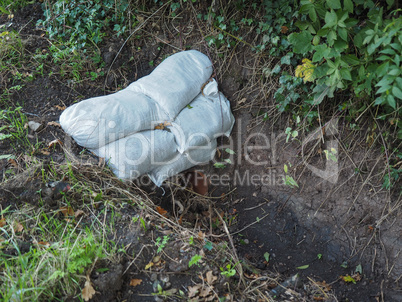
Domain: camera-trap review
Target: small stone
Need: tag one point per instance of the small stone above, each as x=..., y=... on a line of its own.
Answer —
x=35, y=126
x=153, y=277
x=164, y=279
x=167, y=285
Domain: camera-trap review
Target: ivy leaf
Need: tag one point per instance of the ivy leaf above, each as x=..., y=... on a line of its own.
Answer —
x=334, y=4
x=301, y=42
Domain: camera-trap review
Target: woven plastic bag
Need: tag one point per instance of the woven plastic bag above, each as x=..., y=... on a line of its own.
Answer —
x=139, y=153
x=205, y=119
x=192, y=157
x=153, y=99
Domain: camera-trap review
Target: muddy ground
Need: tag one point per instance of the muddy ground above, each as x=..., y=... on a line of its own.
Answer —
x=334, y=222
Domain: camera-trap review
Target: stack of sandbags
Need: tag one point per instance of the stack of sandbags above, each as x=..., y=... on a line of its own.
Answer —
x=123, y=127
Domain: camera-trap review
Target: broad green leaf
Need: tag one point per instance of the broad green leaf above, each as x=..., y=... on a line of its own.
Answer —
x=397, y=92
x=351, y=59
x=301, y=42
x=303, y=266
x=345, y=74
x=391, y=101
x=266, y=256
x=323, y=32
x=321, y=51
x=384, y=88
x=343, y=33
x=383, y=58
x=382, y=69
x=348, y=5
x=285, y=167
x=340, y=46
x=320, y=92
x=334, y=4
x=394, y=72
x=312, y=14
x=331, y=37
x=316, y=40
x=399, y=82
x=388, y=51
x=331, y=19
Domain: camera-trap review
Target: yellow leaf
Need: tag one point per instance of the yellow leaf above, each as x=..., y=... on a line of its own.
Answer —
x=135, y=282
x=305, y=70
x=149, y=265
x=88, y=291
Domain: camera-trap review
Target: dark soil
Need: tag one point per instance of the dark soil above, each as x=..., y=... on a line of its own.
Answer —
x=333, y=227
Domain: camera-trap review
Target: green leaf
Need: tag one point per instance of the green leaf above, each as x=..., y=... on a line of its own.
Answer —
x=4, y=11
x=321, y=51
x=266, y=256
x=98, y=197
x=348, y=5
x=303, y=266
x=382, y=69
x=285, y=167
x=397, y=92
x=399, y=82
x=312, y=14
x=345, y=74
x=349, y=279
x=285, y=60
x=7, y=156
x=301, y=42
x=219, y=165
x=359, y=269
x=394, y=72
x=331, y=19
x=334, y=4
x=351, y=59
x=388, y=51
x=343, y=33
x=230, y=151
x=331, y=37
x=391, y=101
x=321, y=91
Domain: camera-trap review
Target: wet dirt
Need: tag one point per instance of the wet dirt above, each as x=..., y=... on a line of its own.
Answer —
x=321, y=230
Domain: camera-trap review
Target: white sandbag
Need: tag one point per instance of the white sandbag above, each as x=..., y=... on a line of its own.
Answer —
x=139, y=153
x=98, y=121
x=192, y=157
x=153, y=99
x=175, y=82
x=207, y=118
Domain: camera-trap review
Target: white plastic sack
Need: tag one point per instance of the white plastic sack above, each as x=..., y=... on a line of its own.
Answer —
x=176, y=81
x=98, y=121
x=194, y=156
x=138, y=153
x=153, y=99
x=207, y=118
